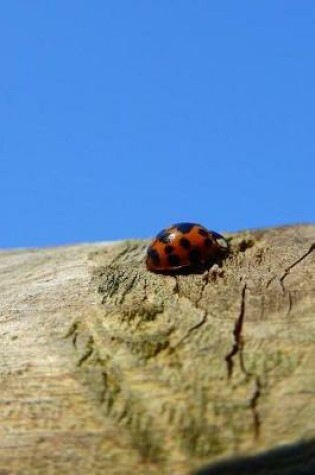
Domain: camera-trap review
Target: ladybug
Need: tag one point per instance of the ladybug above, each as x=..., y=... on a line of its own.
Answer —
x=184, y=245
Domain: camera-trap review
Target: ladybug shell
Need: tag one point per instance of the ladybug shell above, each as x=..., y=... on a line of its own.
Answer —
x=184, y=245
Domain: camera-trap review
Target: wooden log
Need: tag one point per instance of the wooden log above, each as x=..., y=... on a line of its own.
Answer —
x=107, y=368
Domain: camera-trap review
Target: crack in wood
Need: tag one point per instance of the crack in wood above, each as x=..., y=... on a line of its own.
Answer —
x=105, y=387
x=295, y=263
x=288, y=269
x=192, y=329
x=89, y=351
x=205, y=280
x=145, y=290
x=237, y=348
x=128, y=288
x=73, y=333
x=123, y=252
x=254, y=407
x=286, y=272
x=237, y=334
x=203, y=319
x=290, y=304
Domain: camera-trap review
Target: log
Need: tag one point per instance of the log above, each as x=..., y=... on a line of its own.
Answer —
x=108, y=368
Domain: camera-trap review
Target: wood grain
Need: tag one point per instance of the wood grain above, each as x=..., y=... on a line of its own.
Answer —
x=107, y=368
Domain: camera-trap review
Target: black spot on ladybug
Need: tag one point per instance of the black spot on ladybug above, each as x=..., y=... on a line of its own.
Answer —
x=169, y=249
x=184, y=227
x=185, y=243
x=164, y=236
x=154, y=255
x=195, y=256
x=208, y=242
x=173, y=260
x=203, y=232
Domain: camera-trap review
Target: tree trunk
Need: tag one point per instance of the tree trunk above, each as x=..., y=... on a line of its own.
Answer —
x=109, y=369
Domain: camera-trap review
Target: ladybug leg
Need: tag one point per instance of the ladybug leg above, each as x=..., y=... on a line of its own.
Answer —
x=212, y=273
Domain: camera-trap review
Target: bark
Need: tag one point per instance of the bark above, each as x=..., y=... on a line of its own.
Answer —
x=107, y=368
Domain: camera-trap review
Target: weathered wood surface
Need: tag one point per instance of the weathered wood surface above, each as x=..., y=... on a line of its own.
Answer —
x=108, y=369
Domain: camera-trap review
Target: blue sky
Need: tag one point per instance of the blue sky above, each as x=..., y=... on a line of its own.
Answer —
x=118, y=118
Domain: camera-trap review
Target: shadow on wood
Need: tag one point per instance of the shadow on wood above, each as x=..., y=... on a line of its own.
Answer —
x=295, y=459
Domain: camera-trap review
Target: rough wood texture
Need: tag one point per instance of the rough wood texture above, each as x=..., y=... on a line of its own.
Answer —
x=106, y=368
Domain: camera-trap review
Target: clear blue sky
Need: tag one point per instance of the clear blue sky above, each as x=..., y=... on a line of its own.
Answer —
x=118, y=118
